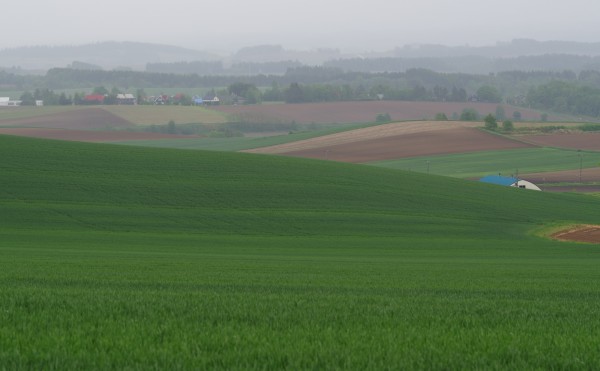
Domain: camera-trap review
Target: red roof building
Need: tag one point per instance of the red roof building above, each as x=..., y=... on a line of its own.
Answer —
x=94, y=98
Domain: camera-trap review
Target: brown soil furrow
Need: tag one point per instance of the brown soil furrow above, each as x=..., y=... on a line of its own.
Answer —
x=581, y=233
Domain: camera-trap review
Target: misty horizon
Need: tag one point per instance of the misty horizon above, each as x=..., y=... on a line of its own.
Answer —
x=309, y=25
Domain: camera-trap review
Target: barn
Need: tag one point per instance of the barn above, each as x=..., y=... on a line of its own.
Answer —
x=509, y=182
x=6, y=102
x=128, y=99
x=94, y=99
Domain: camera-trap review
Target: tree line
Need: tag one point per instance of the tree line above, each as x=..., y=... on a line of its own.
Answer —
x=562, y=96
x=566, y=91
x=508, y=83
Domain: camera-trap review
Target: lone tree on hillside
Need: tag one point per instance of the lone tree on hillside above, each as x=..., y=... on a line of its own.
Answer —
x=441, y=117
x=383, y=117
x=507, y=125
x=490, y=122
x=469, y=114
x=500, y=113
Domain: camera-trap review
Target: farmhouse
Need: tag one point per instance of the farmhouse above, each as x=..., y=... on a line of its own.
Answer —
x=6, y=102
x=161, y=99
x=509, y=181
x=94, y=99
x=128, y=99
x=211, y=100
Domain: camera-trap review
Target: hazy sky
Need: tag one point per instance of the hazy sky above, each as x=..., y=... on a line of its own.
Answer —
x=346, y=24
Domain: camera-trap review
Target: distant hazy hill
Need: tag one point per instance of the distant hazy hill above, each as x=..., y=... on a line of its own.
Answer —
x=107, y=55
x=276, y=53
x=514, y=48
x=520, y=54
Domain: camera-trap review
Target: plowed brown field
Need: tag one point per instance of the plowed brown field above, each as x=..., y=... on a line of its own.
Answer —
x=85, y=135
x=93, y=118
x=460, y=140
x=350, y=112
x=396, y=140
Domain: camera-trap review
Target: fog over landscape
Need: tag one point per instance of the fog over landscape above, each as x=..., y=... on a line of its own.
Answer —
x=350, y=26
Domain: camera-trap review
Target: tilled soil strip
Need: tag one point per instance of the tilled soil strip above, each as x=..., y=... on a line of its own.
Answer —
x=581, y=233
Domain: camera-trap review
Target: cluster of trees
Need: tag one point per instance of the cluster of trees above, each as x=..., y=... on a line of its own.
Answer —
x=48, y=96
x=562, y=96
x=51, y=98
x=471, y=114
x=492, y=124
x=299, y=93
x=248, y=93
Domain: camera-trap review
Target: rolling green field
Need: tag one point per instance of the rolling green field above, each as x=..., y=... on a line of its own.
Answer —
x=241, y=143
x=506, y=162
x=120, y=257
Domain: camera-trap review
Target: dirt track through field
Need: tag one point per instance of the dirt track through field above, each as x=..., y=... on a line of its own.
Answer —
x=585, y=233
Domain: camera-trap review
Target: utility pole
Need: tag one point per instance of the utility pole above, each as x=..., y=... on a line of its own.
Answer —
x=580, y=164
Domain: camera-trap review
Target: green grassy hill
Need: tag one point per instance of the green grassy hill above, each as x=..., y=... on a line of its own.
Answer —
x=506, y=162
x=140, y=258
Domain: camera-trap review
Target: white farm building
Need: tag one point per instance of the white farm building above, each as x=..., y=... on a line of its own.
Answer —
x=6, y=102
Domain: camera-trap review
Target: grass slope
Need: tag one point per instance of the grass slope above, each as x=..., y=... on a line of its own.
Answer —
x=156, y=115
x=477, y=164
x=125, y=257
x=242, y=143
